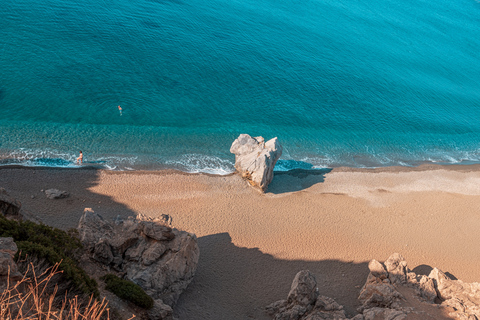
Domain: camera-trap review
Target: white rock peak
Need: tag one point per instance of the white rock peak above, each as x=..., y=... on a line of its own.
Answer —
x=255, y=159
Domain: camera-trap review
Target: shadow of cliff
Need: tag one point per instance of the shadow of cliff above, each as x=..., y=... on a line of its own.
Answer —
x=246, y=280
x=25, y=185
x=296, y=180
x=425, y=269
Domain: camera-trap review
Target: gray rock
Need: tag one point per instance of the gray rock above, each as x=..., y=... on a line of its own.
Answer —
x=8, y=267
x=425, y=289
x=56, y=194
x=464, y=297
x=327, y=304
x=160, y=311
x=397, y=268
x=9, y=206
x=378, y=293
x=305, y=303
x=377, y=269
x=158, y=258
x=92, y=228
x=102, y=252
x=304, y=289
x=255, y=159
x=380, y=298
x=153, y=253
x=157, y=231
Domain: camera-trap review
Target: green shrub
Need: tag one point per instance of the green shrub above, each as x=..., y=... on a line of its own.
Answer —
x=47, y=236
x=128, y=290
x=53, y=245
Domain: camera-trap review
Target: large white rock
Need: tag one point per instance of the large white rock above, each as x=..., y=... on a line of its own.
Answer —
x=255, y=159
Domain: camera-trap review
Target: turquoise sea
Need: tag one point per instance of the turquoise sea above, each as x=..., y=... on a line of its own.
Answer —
x=340, y=83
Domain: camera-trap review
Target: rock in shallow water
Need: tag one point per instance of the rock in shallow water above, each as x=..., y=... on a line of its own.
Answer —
x=255, y=159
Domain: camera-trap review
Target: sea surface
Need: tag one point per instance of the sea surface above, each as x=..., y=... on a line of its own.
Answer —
x=339, y=82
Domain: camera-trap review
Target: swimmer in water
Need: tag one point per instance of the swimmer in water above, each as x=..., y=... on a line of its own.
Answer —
x=120, y=110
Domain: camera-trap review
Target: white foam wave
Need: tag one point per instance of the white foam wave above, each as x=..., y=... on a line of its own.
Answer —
x=198, y=163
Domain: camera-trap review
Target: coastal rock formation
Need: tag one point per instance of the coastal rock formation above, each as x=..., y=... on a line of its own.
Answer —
x=8, y=267
x=56, y=194
x=436, y=295
x=255, y=159
x=304, y=302
x=160, y=259
x=463, y=297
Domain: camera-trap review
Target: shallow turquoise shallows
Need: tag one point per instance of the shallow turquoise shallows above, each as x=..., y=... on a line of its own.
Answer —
x=340, y=83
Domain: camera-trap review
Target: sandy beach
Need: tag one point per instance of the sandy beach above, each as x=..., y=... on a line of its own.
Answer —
x=332, y=222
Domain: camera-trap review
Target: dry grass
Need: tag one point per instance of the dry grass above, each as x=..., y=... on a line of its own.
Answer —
x=27, y=299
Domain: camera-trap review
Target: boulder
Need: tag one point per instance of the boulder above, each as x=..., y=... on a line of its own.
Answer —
x=425, y=289
x=377, y=270
x=255, y=159
x=397, y=268
x=379, y=293
x=56, y=194
x=463, y=297
x=160, y=259
x=304, y=302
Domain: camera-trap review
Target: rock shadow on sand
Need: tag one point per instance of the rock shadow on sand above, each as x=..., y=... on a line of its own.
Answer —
x=26, y=184
x=238, y=283
x=296, y=180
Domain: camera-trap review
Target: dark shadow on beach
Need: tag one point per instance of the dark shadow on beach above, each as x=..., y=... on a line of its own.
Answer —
x=425, y=269
x=26, y=184
x=296, y=180
x=247, y=277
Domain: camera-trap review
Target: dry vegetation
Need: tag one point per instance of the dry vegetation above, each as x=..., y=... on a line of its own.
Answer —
x=30, y=299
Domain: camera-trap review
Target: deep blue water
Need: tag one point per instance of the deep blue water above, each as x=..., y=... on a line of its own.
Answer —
x=340, y=83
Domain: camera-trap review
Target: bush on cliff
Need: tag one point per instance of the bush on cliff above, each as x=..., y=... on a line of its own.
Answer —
x=128, y=290
x=53, y=245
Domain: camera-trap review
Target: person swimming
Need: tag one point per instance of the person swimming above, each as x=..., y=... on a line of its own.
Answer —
x=120, y=110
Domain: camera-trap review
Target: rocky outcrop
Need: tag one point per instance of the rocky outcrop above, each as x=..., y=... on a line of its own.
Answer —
x=381, y=292
x=8, y=267
x=304, y=302
x=463, y=297
x=10, y=207
x=380, y=297
x=255, y=159
x=160, y=259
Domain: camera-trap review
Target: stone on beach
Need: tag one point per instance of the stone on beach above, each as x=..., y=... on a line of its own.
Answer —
x=255, y=159
x=56, y=194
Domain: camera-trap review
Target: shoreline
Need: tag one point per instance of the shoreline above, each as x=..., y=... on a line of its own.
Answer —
x=332, y=222
x=396, y=168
